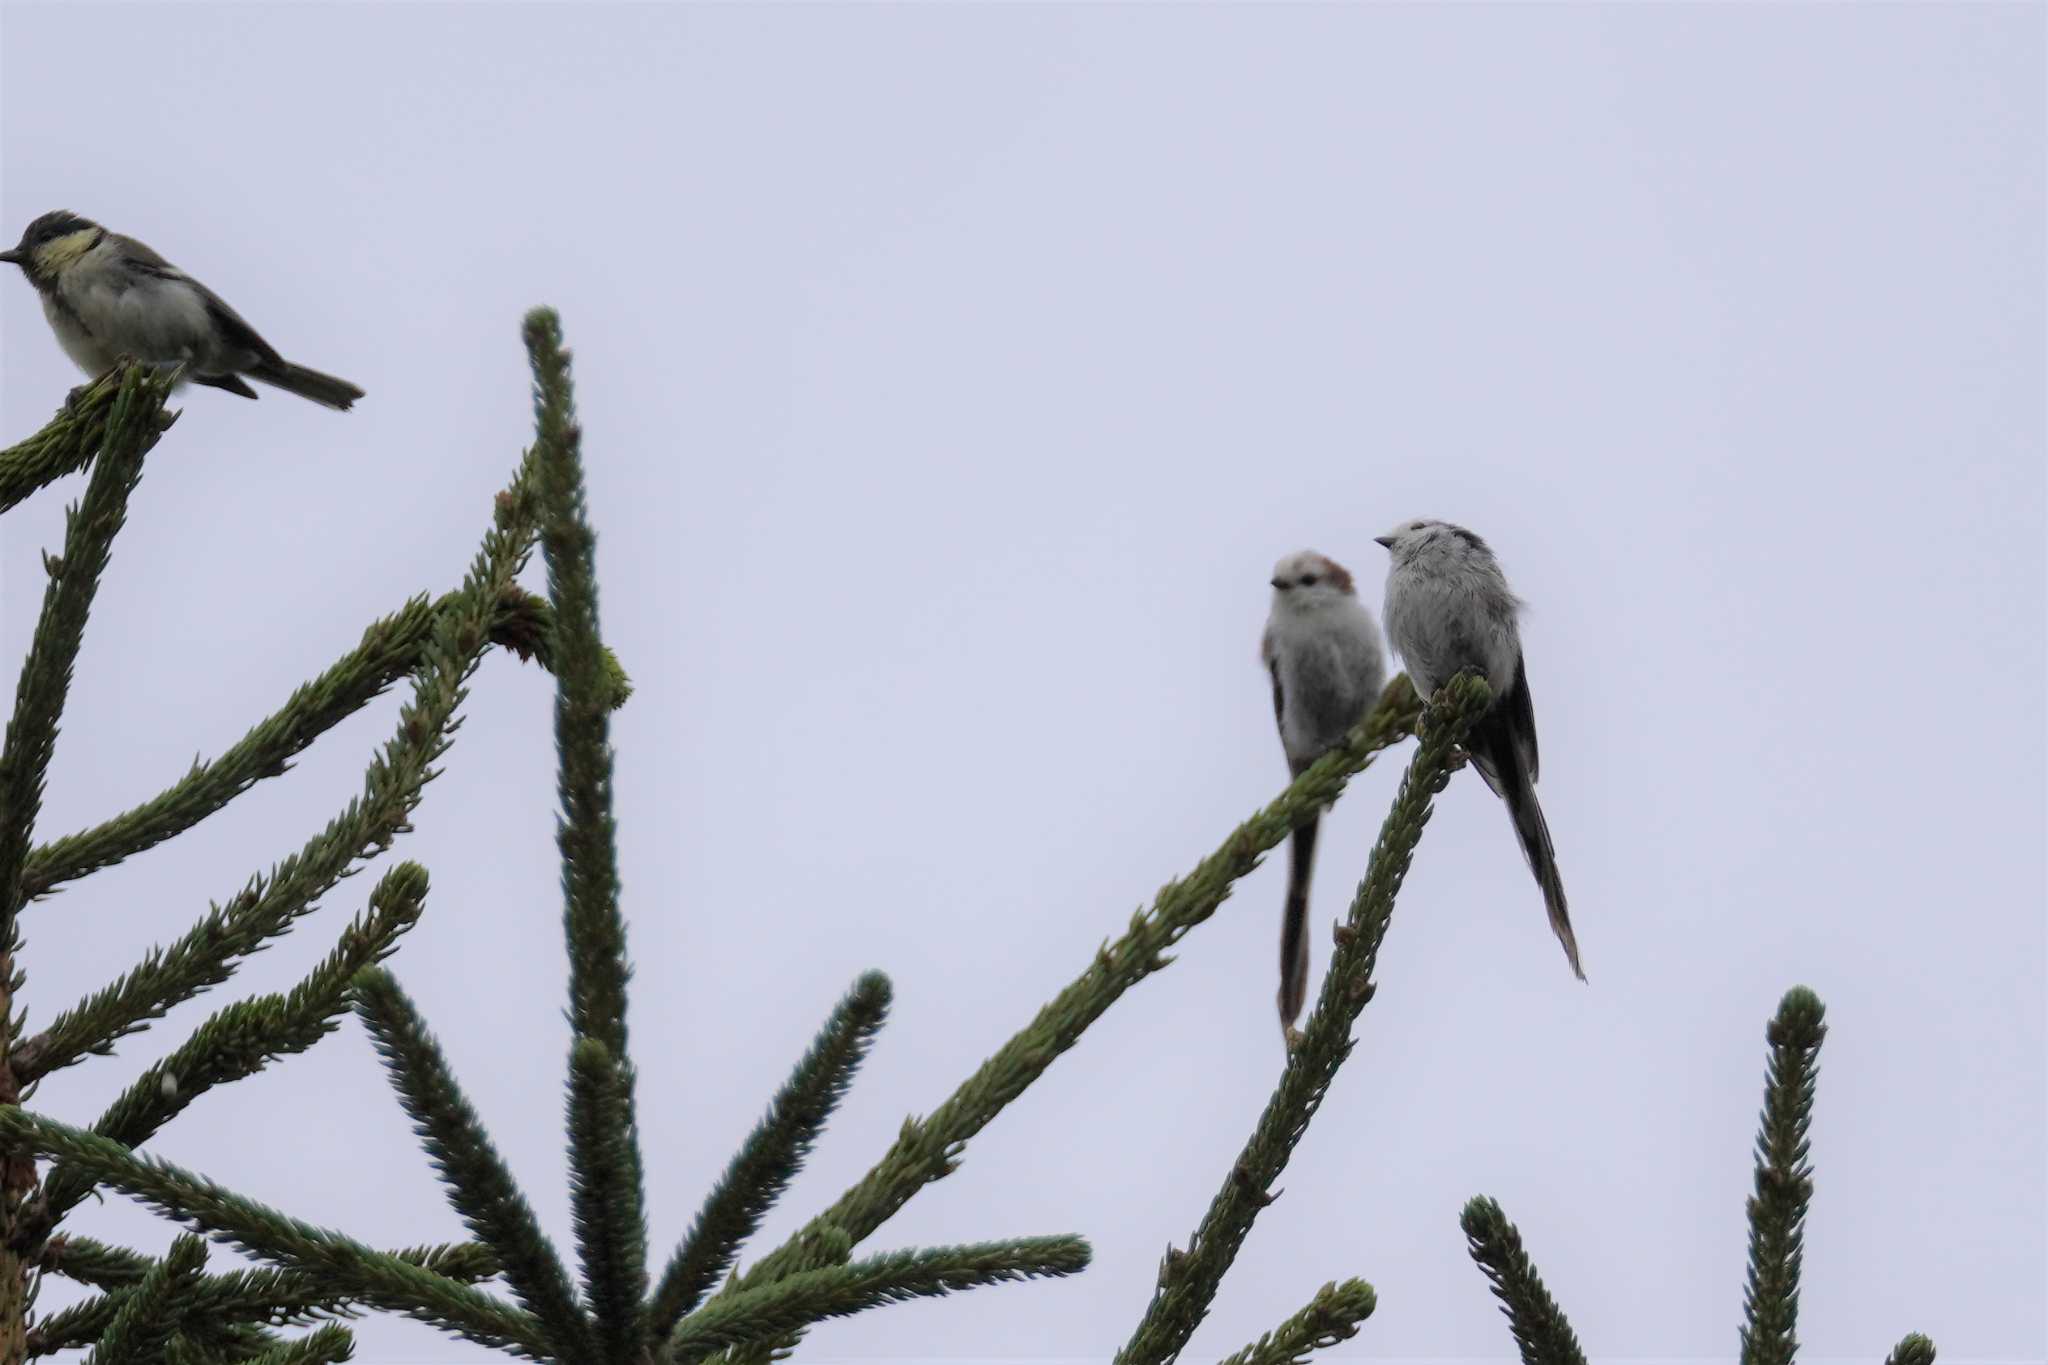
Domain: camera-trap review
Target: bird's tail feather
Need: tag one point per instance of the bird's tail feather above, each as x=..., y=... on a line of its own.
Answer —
x=1533, y=832
x=321, y=388
x=1301, y=851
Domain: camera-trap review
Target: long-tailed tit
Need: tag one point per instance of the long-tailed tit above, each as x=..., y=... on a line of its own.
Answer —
x=1323, y=651
x=109, y=296
x=1449, y=609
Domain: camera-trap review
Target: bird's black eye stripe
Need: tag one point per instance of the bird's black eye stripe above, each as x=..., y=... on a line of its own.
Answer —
x=1308, y=580
x=51, y=226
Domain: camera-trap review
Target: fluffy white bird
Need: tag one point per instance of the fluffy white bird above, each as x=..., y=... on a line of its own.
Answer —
x=1323, y=650
x=1448, y=609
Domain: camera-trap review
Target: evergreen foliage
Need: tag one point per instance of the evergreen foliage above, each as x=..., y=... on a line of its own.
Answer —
x=1777, y=1216
x=603, y=1307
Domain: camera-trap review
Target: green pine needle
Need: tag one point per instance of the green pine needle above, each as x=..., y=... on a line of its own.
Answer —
x=808, y=1296
x=772, y=1154
x=349, y=1269
x=255, y=1297
x=134, y=424
x=329, y=1345
x=78, y=432
x=480, y=1186
x=1542, y=1334
x=605, y=1196
x=391, y=650
x=265, y=908
x=1331, y=1318
x=91, y=1261
x=137, y=1334
x=1784, y=1181
x=1914, y=1350
x=246, y=1036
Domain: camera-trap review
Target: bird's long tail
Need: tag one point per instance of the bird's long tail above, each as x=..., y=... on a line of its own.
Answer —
x=1301, y=860
x=321, y=388
x=1511, y=780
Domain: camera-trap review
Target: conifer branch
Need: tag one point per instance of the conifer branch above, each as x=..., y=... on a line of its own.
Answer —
x=135, y=421
x=1542, y=1334
x=390, y=650
x=480, y=1186
x=604, y=1145
x=67, y=442
x=219, y=1343
x=351, y=1269
x=237, y=1041
x=1914, y=1350
x=815, y=1248
x=605, y=1195
x=91, y=1261
x=1784, y=1181
x=586, y=830
x=393, y=786
x=772, y=1154
x=1331, y=1318
x=329, y=1345
x=246, y=1036
x=270, y=1298
x=1188, y=1281
x=208, y=953
x=808, y=1296
x=139, y=1331
x=929, y=1149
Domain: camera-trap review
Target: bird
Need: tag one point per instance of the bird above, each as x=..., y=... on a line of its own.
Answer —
x=1449, y=609
x=1322, y=648
x=109, y=296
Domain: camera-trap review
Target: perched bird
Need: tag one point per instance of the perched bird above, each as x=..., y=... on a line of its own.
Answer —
x=109, y=296
x=1449, y=609
x=1323, y=651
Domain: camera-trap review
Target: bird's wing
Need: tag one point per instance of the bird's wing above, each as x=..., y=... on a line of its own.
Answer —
x=147, y=261
x=232, y=383
x=1522, y=719
x=1272, y=658
x=233, y=326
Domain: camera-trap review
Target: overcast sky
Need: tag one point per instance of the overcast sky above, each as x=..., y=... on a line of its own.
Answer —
x=952, y=378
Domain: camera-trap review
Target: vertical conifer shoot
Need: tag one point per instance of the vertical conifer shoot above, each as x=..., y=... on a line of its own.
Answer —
x=1777, y=1217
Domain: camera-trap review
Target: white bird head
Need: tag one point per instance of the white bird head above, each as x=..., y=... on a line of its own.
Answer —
x=1306, y=580
x=1426, y=536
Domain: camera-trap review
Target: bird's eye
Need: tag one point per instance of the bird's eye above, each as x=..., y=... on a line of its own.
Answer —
x=1308, y=580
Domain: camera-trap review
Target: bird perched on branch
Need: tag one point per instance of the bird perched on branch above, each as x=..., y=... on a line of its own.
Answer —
x=109, y=296
x=1448, y=609
x=1323, y=651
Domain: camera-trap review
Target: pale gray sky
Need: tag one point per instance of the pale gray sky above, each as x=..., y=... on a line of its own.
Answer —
x=952, y=378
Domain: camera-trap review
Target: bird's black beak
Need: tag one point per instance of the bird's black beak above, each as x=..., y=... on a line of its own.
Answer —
x=1387, y=541
x=12, y=256
x=1282, y=584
